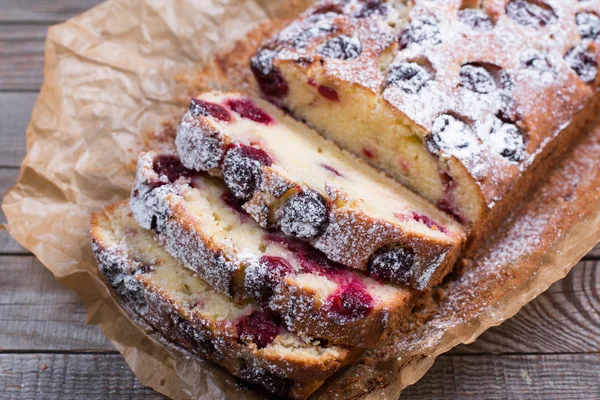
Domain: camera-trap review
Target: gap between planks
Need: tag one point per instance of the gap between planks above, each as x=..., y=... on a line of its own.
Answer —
x=22, y=56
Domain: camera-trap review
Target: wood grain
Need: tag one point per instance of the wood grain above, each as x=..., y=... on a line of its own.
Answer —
x=66, y=376
x=22, y=55
x=15, y=113
x=550, y=376
x=8, y=245
x=69, y=376
x=36, y=11
x=37, y=314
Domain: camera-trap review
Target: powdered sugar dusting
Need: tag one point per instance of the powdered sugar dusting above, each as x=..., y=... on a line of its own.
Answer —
x=341, y=48
x=152, y=207
x=199, y=146
x=305, y=215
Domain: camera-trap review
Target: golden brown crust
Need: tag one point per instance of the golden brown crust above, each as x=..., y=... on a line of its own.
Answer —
x=515, y=259
x=153, y=203
x=363, y=378
x=436, y=258
x=537, y=171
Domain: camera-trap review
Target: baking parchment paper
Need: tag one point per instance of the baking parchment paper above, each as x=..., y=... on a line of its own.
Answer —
x=113, y=77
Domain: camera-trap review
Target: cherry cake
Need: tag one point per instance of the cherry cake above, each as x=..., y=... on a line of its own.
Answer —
x=161, y=294
x=288, y=177
x=456, y=99
x=203, y=225
x=297, y=229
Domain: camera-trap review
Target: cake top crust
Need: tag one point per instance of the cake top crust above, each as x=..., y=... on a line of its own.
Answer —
x=489, y=83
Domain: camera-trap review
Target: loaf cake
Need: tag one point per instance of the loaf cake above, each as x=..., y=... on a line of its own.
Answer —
x=456, y=99
x=201, y=224
x=161, y=293
x=292, y=179
x=279, y=254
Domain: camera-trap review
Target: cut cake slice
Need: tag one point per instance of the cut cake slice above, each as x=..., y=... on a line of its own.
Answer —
x=291, y=178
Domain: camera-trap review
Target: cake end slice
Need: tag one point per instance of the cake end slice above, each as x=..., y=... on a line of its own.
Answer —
x=158, y=292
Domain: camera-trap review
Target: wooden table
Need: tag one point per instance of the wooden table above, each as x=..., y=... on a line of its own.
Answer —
x=551, y=349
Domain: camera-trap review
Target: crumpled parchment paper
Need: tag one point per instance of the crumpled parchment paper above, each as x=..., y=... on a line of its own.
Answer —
x=115, y=73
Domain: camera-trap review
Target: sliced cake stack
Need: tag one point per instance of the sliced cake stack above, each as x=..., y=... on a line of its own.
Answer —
x=263, y=234
x=311, y=233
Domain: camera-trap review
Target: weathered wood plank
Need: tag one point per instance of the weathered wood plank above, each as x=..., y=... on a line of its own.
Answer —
x=551, y=376
x=69, y=376
x=566, y=318
x=22, y=56
x=15, y=112
x=36, y=11
x=8, y=245
x=564, y=376
x=36, y=313
x=8, y=177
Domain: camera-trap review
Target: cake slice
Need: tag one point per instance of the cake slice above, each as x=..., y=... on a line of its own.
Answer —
x=202, y=224
x=162, y=294
x=290, y=178
x=458, y=100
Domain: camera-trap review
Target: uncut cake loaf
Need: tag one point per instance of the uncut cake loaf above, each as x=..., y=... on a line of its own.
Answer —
x=461, y=100
x=160, y=293
x=289, y=177
x=201, y=224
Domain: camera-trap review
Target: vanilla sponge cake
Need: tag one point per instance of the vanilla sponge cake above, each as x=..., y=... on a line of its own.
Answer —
x=457, y=99
x=290, y=178
x=202, y=224
x=159, y=292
